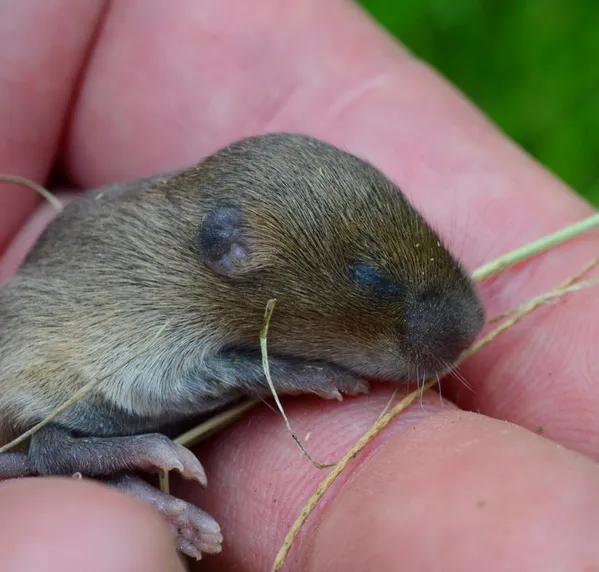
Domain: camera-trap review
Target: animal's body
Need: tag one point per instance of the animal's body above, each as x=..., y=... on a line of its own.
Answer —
x=364, y=288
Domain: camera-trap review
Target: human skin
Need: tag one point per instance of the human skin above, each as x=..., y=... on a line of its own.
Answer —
x=141, y=88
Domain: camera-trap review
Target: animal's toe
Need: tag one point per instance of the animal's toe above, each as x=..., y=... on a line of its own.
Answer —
x=197, y=532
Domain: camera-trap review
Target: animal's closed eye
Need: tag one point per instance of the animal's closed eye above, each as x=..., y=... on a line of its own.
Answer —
x=369, y=277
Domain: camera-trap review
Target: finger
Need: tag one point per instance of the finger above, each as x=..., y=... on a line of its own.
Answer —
x=439, y=488
x=44, y=43
x=164, y=87
x=211, y=72
x=463, y=492
x=53, y=525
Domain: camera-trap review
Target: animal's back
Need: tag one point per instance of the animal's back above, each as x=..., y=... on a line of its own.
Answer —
x=87, y=298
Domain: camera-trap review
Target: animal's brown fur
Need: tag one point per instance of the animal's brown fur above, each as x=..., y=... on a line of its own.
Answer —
x=123, y=261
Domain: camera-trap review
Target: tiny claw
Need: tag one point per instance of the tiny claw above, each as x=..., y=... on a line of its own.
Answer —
x=362, y=389
x=200, y=477
x=177, y=466
x=335, y=394
x=196, y=474
x=189, y=549
x=214, y=547
x=190, y=468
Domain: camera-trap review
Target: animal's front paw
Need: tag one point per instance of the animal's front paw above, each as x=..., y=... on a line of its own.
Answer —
x=331, y=383
x=156, y=451
x=323, y=379
x=54, y=451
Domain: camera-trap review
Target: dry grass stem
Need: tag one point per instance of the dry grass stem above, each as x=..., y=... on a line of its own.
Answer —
x=556, y=293
x=270, y=306
x=537, y=247
x=339, y=468
x=164, y=483
x=565, y=288
x=54, y=202
x=206, y=428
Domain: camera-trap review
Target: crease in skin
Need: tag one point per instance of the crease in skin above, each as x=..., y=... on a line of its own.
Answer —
x=354, y=95
x=80, y=77
x=280, y=107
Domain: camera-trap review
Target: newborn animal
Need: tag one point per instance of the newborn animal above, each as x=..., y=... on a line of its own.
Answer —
x=364, y=288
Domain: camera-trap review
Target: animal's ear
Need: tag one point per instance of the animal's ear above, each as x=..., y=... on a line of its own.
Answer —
x=223, y=243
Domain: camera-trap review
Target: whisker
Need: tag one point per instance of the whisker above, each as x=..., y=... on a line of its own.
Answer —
x=460, y=377
x=455, y=373
x=265, y=402
x=422, y=392
x=440, y=393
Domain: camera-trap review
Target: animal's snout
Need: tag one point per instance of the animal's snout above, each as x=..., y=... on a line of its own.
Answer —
x=442, y=327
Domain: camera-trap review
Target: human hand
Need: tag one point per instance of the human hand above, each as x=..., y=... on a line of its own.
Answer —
x=439, y=489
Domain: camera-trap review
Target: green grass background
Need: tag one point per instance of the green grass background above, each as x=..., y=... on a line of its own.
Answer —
x=531, y=65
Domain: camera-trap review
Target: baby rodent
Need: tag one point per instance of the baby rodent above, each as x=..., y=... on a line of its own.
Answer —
x=364, y=288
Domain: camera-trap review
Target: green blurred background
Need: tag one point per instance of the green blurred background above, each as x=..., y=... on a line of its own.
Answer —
x=531, y=65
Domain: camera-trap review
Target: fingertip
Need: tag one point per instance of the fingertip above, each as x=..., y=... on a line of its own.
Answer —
x=464, y=490
x=65, y=525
